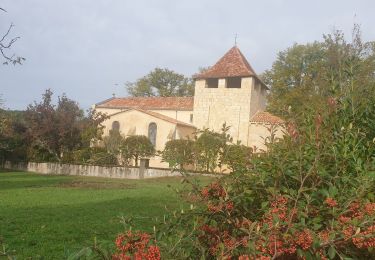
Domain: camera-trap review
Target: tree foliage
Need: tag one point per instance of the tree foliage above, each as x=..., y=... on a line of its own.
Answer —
x=135, y=147
x=208, y=151
x=305, y=75
x=13, y=138
x=113, y=142
x=237, y=157
x=179, y=153
x=58, y=130
x=208, y=148
x=161, y=82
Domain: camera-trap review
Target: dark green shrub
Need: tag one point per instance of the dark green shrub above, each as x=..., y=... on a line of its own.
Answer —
x=103, y=158
x=237, y=157
x=135, y=147
x=208, y=148
x=113, y=142
x=178, y=153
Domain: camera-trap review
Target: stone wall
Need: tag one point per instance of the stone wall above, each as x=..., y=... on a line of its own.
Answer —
x=91, y=170
x=215, y=106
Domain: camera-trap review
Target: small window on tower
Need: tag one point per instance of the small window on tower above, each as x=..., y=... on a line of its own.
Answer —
x=212, y=83
x=234, y=82
x=191, y=118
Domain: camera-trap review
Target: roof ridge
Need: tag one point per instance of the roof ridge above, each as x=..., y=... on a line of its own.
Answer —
x=149, y=103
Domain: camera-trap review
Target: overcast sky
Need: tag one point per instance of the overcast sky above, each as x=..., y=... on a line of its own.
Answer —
x=88, y=49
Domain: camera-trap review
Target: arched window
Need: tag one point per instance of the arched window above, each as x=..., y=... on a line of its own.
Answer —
x=152, y=131
x=115, y=126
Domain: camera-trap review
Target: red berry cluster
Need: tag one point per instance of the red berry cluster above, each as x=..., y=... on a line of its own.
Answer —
x=304, y=239
x=216, y=198
x=356, y=213
x=279, y=210
x=135, y=246
x=274, y=224
x=213, y=191
x=324, y=235
x=331, y=202
x=211, y=237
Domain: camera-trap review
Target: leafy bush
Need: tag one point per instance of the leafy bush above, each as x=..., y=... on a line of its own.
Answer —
x=38, y=153
x=237, y=157
x=91, y=155
x=179, y=153
x=208, y=151
x=208, y=148
x=310, y=196
x=103, y=158
x=113, y=142
x=135, y=147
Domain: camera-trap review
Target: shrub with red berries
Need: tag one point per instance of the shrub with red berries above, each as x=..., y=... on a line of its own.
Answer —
x=311, y=196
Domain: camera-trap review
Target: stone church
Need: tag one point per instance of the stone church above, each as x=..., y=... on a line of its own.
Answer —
x=228, y=92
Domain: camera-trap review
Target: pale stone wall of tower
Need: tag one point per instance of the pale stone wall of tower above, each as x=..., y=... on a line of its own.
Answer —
x=214, y=106
x=258, y=98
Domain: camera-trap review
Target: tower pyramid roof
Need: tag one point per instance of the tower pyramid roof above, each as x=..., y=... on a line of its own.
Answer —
x=232, y=64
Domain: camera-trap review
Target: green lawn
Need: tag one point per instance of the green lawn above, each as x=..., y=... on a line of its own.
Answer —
x=48, y=217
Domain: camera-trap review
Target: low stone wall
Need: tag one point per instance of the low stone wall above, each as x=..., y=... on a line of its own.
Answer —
x=90, y=170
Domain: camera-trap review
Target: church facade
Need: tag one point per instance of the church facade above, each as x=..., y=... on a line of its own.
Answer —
x=229, y=92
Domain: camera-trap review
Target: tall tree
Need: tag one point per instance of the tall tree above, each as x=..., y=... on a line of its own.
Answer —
x=4, y=126
x=57, y=130
x=161, y=82
x=305, y=75
x=13, y=141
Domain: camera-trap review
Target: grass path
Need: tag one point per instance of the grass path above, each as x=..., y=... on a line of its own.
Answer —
x=48, y=217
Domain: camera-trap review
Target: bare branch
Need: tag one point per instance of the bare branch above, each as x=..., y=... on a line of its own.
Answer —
x=7, y=33
x=9, y=59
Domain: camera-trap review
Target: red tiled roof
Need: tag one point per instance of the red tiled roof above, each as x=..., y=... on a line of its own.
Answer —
x=232, y=64
x=265, y=117
x=157, y=115
x=149, y=103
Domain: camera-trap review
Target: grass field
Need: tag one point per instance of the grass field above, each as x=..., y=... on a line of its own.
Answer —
x=48, y=217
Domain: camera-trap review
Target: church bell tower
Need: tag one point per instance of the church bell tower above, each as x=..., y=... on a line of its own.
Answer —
x=229, y=92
